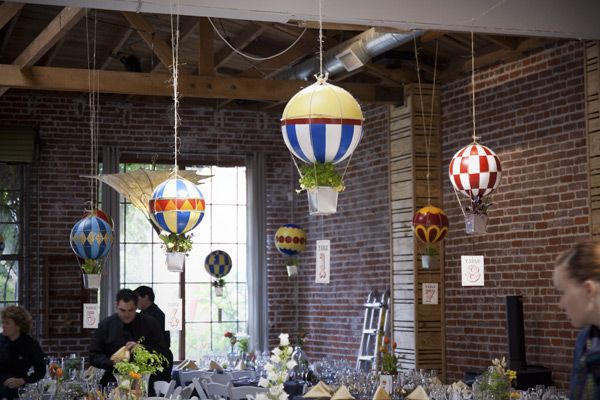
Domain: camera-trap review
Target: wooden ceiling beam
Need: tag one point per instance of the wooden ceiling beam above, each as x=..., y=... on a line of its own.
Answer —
x=161, y=48
x=51, y=34
x=502, y=41
x=505, y=55
x=240, y=42
x=117, y=48
x=206, y=55
x=8, y=11
x=397, y=76
x=76, y=80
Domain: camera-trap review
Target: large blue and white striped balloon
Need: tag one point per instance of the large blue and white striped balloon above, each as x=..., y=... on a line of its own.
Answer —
x=322, y=123
x=218, y=264
x=91, y=237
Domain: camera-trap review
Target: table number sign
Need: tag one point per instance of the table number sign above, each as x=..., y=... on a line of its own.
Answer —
x=173, y=316
x=91, y=315
x=472, y=270
x=430, y=293
x=322, y=253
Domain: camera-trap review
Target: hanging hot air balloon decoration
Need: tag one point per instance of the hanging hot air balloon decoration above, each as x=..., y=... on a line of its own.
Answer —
x=176, y=206
x=91, y=239
x=218, y=264
x=430, y=225
x=290, y=240
x=475, y=171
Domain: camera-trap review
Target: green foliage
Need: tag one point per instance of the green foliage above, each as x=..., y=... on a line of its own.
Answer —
x=177, y=242
x=430, y=251
x=243, y=344
x=218, y=283
x=389, y=363
x=318, y=174
x=479, y=205
x=142, y=361
x=92, y=266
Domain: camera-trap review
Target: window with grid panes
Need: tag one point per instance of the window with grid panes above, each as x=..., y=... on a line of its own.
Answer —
x=11, y=213
x=223, y=227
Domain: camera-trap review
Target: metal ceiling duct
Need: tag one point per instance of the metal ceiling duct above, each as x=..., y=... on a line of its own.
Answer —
x=351, y=54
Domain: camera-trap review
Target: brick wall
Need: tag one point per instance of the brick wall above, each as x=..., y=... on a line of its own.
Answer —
x=360, y=241
x=531, y=113
x=140, y=129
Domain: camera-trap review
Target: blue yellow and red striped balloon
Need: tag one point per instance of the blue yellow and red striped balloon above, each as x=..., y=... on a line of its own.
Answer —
x=290, y=239
x=91, y=237
x=177, y=205
x=430, y=224
x=322, y=123
x=218, y=264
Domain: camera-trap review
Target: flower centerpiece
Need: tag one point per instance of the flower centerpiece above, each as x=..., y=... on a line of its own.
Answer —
x=496, y=382
x=243, y=342
x=133, y=375
x=277, y=369
x=232, y=339
x=389, y=360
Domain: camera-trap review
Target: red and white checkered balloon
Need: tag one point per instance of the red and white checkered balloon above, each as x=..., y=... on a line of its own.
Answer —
x=475, y=171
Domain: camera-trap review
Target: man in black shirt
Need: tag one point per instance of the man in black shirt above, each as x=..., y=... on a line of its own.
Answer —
x=148, y=307
x=124, y=328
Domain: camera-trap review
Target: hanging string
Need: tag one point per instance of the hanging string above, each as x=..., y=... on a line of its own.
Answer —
x=175, y=77
x=93, y=100
x=321, y=38
x=430, y=130
x=473, y=83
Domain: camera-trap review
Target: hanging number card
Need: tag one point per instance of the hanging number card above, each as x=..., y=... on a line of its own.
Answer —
x=472, y=270
x=430, y=293
x=322, y=270
x=91, y=315
x=173, y=316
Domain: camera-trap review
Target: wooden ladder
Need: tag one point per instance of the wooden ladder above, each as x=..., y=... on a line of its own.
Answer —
x=375, y=326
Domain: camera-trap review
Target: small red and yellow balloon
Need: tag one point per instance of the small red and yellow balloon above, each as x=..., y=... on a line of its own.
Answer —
x=290, y=240
x=430, y=224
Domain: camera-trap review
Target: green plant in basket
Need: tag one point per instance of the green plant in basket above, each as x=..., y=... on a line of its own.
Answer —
x=143, y=361
x=218, y=282
x=431, y=251
x=176, y=242
x=90, y=266
x=319, y=174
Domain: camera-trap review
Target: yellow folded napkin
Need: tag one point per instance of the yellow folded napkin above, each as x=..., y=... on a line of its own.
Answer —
x=435, y=381
x=120, y=355
x=342, y=394
x=191, y=365
x=381, y=394
x=319, y=391
x=215, y=366
x=418, y=394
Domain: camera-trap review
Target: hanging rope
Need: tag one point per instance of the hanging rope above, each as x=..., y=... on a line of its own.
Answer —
x=93, y=100
x=473, y=83
x=175, y=78
x=427, y=131
x=320, y=38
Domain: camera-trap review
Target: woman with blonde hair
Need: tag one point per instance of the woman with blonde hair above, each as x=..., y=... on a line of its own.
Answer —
x=19, y=352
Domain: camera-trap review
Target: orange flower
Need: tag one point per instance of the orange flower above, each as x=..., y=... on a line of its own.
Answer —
x=394, y=345
x=135, y=375
x=59, y=372
x=386, y=340
x=382, y=349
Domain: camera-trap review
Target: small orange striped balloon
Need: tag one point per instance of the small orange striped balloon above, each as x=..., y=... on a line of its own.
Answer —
x=430, y=224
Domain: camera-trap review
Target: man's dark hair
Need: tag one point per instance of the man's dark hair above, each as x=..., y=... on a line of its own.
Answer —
x=127, y=295
x=144, y=291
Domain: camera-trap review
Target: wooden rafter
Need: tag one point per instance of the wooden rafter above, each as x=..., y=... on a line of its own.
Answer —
x=182, y=39
x=51, y=34
x=397, y=76
x=206, y=55
x=8, y=11
x=117, y=47
x=160, y=47
x=240, y=42
x=502, y=41
x=76, y=80
x=505, y=55
x=9, y=31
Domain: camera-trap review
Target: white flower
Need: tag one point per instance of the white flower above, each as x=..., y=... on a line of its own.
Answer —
x=291, y=364
x=262, y=396
x=283, y=396
x=284, y=339
x=275, y=359
x=277, y=351
x=269, y=367
x=263, y=383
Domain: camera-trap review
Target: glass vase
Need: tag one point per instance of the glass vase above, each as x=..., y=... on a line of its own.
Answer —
x=129, y=388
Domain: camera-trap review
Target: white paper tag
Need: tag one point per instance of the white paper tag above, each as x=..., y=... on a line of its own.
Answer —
x=386, y=382
x=472, y=270
x=430, y=293
x=90, y=315
x=173, y=316
x=322, y=268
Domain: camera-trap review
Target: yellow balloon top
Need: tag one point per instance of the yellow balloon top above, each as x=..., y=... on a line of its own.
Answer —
x=322, y=100
x=431, y=209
